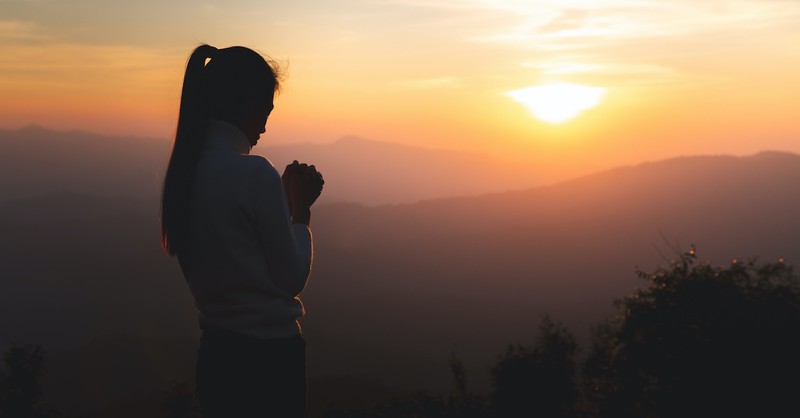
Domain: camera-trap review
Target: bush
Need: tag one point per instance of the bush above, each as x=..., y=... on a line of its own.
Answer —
x=538, y=380
x=701, y=340
x=20, y=387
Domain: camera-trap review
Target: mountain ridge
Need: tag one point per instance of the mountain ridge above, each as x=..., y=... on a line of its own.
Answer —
x=760, y=155
x=395, y=287
x=356, y=169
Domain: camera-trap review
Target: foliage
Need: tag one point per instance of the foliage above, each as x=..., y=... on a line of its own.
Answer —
x=701, y=340
x=179, y=401
x=20, y=387
x=459, y=404
x=538, y=380
x=697, y=340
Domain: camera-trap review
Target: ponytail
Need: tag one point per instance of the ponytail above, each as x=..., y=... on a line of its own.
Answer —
x=220, y=89
x=193, y=118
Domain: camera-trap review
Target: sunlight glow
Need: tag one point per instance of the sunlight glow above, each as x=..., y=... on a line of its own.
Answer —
x=558, y=102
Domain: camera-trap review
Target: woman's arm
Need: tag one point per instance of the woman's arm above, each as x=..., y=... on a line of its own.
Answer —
x=288, y=247
x=302, y=185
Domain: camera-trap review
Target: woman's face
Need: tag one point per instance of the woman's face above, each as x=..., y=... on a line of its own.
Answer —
x=255, y=121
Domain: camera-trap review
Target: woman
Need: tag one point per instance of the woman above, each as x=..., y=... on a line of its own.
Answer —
x=241, y=234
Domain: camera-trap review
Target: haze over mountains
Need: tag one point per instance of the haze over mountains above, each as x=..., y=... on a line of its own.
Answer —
x=395, y=288
x=355, y=169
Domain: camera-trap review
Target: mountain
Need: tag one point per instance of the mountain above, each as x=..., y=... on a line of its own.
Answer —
x=396, y=288
x=37, y=161
x=373, y=173
x=476, y=273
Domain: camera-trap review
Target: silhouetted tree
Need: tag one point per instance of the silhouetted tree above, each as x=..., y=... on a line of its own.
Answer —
x=459, y=395
x=180, y=401
x=20, y=387
x=420, y=405
x=462, y=403
x=538, y=380
x=698, y=341
x=701, y=340
x=459, y=404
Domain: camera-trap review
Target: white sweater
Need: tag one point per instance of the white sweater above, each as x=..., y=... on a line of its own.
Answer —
x=243, y=253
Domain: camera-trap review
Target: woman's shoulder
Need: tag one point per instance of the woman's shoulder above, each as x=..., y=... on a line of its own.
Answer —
x=259, y=166
x=256, y=162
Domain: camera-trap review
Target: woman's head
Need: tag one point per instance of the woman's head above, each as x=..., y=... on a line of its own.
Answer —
x=233, y=84
x=240, y=86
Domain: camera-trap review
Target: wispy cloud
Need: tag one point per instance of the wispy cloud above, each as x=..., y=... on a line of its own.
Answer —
x=211, y=8
x=429, y=83
x=621, y=37
x=563, y=67
x=65, y=68
x=564, y=21
x=19, y=30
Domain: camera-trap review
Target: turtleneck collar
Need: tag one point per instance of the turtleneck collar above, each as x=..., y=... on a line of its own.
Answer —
x=226, y=136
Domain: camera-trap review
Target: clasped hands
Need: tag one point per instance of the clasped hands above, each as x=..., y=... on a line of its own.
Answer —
x=302, y=184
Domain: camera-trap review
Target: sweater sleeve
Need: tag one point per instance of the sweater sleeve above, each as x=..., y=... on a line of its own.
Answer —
x=287, y=247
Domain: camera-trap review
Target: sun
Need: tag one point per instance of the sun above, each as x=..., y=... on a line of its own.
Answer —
x=558, y=102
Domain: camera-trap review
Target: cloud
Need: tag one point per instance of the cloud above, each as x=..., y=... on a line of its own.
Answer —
x=564, y=67
x=60, y=69
x=563, y=21
x=658, y=43
x=19, y=30
x=655, y=38
x=429, y=83
x=211, y=9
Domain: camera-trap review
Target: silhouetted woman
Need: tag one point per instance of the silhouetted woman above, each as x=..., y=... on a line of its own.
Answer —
x=240, y=232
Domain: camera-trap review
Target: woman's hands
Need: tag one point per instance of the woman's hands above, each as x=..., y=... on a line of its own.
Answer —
x=303, y=185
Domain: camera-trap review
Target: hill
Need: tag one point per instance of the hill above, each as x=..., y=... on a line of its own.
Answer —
x=396, y=288
x=476, y=273
x=37, y=161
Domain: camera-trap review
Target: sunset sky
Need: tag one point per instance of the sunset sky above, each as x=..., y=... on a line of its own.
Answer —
x=669, y=77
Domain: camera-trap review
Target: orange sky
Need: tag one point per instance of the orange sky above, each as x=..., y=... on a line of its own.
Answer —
x=681, y=77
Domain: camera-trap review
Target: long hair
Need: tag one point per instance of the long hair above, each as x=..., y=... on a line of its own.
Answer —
x=217, y=84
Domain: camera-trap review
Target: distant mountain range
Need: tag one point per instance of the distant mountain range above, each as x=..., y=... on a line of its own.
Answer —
x=37, y=160
x=395, y=288
x=478, y=272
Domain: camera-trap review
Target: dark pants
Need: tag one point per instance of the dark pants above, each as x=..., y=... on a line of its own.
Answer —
x=240, y=376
